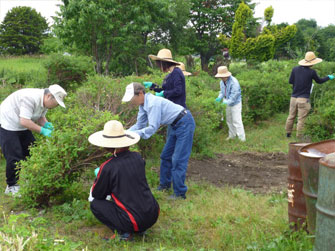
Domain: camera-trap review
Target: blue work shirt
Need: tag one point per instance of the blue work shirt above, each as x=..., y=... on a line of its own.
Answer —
x=174, y=87
x=154, y=112
x=232, y=90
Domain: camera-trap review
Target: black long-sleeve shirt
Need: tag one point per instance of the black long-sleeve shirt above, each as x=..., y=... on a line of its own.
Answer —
x=123, y=177
x=301, y=79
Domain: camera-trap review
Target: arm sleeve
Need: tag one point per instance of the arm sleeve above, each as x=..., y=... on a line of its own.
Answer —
x=235, y=92
x=318, y=79
x=26, y=108
x=142, y=121
x=154, y=118
x=101, y=187
x=177, y=82
x=221, y=90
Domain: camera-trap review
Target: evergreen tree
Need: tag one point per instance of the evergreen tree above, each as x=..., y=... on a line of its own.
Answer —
x=22, y=31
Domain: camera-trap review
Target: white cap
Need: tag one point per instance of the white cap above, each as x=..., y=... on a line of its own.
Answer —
x=59, y=93
x=129, y=93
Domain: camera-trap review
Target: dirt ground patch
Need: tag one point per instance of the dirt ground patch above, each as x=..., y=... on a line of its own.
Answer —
x=257, y=172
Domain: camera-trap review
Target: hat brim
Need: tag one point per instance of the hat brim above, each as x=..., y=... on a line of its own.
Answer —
x=303, y=62
x=98, y=139
x=186, y=73
x=224, y=75
x=155, y=58
x=60, y=102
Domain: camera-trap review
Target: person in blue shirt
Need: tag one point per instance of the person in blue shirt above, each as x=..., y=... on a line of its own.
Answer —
x=173, y=87
x=230, y=97
x=156, y=111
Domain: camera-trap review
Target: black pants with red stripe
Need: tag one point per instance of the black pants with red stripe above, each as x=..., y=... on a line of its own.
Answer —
x=14, y=146
x=112, y=216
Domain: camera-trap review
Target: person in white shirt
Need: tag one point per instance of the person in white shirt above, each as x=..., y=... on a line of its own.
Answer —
x=22, y=112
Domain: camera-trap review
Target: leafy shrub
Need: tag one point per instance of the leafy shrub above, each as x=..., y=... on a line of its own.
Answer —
x=56, y=162
x=68, y=71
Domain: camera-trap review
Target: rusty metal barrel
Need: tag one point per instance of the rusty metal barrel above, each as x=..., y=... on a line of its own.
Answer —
x=309, y=157
x=296, y=199
x=325, y=206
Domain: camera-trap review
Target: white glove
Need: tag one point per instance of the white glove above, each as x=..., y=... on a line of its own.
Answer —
x=90, y=197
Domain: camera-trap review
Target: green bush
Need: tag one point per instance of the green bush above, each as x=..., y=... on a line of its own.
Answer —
x=68, y=71
x=56, y=162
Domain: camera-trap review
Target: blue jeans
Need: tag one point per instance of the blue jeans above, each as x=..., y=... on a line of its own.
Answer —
x=175, y=155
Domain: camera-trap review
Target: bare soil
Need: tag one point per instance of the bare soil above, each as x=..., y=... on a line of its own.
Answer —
x=257, y=172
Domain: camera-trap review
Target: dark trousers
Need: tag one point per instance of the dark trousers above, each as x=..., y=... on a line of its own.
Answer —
x=14, y=146
x=108, y=213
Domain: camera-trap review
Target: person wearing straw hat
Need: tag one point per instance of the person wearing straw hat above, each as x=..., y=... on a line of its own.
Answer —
x=120, y=196
x=301, y=80
x=153, y=112
x=230, y=97
x=173, y=87
x=182, y=68
x=21, y=112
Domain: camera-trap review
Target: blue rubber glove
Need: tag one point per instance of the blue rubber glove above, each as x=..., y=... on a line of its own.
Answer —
x=96, y=171
x=48, y=125
x=225, y=101
x=331, y=77
x=45, y=132
x=217, y=100
x=147, y=84
x=160, y=94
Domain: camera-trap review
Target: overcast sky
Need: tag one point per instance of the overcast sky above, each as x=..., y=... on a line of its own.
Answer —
x=290, y=11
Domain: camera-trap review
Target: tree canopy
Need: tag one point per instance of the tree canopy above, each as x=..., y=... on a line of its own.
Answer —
x=22, y=31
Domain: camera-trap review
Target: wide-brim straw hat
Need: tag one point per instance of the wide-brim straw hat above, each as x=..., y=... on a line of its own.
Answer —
x=182, y=67
x=310, y=59
x=163, y=55
x=223, y=72
x=113, y=136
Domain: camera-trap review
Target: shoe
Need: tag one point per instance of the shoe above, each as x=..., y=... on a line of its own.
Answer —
x=288, y=135
x=176, y=197
x=12, y=189
x=126, y=237
x=163, y=188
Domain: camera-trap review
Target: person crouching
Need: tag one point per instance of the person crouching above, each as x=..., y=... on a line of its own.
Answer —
x=120, y=196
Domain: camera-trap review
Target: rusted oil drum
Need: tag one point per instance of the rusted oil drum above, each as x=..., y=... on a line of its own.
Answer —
x=309, y=157
x=296, y=199
x=325, y=206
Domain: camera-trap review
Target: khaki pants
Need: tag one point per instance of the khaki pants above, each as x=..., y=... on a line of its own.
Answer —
x=300, y=106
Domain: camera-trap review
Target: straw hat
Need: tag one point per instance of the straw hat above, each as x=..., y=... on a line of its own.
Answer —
x=182, y=67
x=310, y=59
x=223, y=72
x=113, y=136
x=163, y=55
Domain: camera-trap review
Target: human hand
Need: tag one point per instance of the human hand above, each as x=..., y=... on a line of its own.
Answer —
x=225, y=101
x=217, y=100
x=48, y=125
x=96, y=171
x=160, y=94
x=90, y=197
x=45, y=132
x=147, y=84
x=331, y=77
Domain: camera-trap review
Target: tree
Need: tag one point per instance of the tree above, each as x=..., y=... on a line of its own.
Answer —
x=268, y=14
x=208, y=20
x=325, y=38
x=22, y=31
x=112, y=30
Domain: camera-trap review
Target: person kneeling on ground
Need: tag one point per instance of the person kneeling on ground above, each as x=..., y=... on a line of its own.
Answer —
x=120, y=196
x=21, y=113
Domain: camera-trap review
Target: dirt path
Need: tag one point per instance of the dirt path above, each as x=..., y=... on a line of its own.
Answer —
x=258, y=172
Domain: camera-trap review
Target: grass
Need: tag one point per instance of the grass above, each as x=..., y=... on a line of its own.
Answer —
x=211, y=218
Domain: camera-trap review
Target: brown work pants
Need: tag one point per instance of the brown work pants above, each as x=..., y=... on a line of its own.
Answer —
x=300, y=106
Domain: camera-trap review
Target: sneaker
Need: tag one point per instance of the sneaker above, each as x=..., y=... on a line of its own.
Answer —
x=163, y=188
x=176, y=197
x=126, y=237
x=12, y=189
x=288, y=135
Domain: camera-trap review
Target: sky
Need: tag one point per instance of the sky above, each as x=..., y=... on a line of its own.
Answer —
x=290, y=11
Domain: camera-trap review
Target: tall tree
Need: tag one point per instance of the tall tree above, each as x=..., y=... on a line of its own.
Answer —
x=208, y=19
x=22, y=31
x=325, y=38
